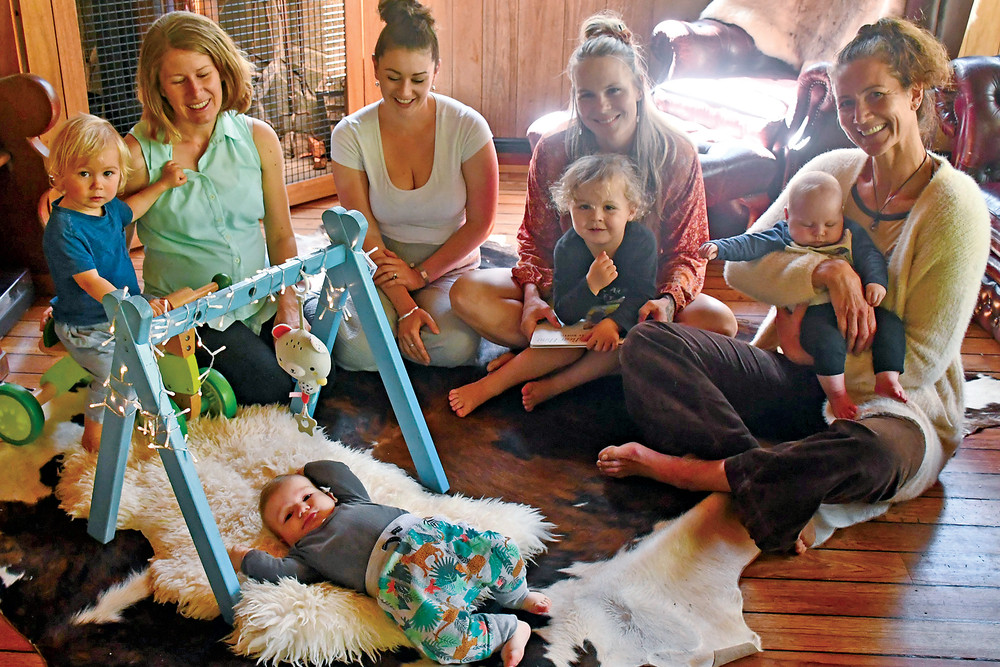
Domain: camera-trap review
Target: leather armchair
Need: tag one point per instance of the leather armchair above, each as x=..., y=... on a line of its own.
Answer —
x=969, y=116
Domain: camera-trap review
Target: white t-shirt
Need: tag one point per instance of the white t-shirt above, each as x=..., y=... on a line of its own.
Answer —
x=428, y=214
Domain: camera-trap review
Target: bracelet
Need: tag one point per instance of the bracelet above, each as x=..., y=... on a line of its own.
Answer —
x=419, y=268
x=403, y=317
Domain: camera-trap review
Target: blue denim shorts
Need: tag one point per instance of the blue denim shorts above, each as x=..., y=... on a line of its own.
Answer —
x=93, y=347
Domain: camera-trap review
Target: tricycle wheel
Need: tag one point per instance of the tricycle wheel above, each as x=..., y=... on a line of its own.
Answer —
x=217, y=396
x=21, y=417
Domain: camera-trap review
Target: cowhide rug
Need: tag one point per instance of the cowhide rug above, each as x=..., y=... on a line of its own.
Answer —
x=801, y=32
x=605, y=569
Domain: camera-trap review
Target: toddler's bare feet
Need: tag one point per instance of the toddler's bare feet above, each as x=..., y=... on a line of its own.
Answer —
x=537, y=603
x=537, y=392
x=499, y=361
x=513, y=650
x=842, y=406
x=887, y=384
x=806, y=539
x=467, y=398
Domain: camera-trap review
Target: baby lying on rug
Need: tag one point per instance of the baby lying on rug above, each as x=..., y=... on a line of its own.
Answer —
x=426, y=574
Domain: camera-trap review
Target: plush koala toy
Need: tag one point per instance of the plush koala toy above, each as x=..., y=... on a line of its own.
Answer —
x=303, y=356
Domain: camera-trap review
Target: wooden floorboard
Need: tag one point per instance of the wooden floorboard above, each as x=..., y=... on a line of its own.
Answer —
x=917, y=587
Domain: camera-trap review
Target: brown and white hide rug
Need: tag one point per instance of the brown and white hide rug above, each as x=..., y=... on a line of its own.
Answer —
x=801, y=32
x=672, y=598
x=288, y=621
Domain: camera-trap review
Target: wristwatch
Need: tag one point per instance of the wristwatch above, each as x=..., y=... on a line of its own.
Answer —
x=423, y=273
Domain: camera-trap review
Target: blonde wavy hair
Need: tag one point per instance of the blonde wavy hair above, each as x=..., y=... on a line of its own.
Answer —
x=188, y=31
x=80, y=139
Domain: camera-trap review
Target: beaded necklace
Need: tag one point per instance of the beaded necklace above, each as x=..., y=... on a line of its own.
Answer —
x=877, y=218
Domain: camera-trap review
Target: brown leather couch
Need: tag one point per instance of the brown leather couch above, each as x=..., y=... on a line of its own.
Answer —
x=969, y=115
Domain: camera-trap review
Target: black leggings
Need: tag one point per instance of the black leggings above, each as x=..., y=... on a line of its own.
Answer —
x=695, y=392
x=248, y=363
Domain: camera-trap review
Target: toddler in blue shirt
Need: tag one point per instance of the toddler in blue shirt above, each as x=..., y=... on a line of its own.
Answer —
x=86, y=245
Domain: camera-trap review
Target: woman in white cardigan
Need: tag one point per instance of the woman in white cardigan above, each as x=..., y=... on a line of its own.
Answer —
x=710, y=398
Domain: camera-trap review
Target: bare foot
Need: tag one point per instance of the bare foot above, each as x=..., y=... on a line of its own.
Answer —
x=499, y=361
x=685, y=473
x=887, y=384
x=537, y=392
x=537, y=603
x=842, y=406
x=467, y=398
x=513, y=650
x=806, y=539
x=91, y=440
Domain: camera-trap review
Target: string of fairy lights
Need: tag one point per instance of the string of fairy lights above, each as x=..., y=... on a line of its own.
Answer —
x=154, y=428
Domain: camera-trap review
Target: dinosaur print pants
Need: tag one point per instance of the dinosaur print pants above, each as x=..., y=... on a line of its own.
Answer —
x=431, y=584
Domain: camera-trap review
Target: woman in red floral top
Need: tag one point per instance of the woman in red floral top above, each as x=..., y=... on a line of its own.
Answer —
x=612, y=114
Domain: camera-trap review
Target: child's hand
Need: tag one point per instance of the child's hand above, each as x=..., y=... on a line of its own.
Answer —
x=236, y=555
x=604, y=336
x=159, y=306
x=173, y=175
x=708, y=251
x=602, y=273
x=874, y=293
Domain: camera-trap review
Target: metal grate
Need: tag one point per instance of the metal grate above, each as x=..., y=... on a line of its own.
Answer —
x=297, y=47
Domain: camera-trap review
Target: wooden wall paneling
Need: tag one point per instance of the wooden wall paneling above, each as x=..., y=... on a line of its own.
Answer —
x=541, y=45
x=448, y=41
x=982, y=36
x=52, y=51
x=372, y=27
x=10, y=59
x=354, y=37
x=67, y=35
x=467, y=49
x=500, y=57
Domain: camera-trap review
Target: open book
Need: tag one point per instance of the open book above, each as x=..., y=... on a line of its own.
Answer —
x=571, y=335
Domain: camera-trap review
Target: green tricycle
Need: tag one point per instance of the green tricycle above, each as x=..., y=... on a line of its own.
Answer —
x=200, y=390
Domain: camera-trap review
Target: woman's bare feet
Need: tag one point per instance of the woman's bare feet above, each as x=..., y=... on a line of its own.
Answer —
x=537, y=603
x=513, y=651
x=887, y=384
x=685, y=473
x=500, y=361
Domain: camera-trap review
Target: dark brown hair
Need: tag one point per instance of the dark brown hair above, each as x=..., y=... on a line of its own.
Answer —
x=408, y=25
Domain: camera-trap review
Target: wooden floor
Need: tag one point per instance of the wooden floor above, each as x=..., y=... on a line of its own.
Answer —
x=919, y=587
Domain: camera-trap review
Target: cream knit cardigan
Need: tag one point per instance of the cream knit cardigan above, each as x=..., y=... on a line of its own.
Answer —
x=934, y=276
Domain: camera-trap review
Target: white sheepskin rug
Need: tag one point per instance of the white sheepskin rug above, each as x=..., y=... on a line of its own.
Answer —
x=286, y=622
x=671, y=599
x=801, y=32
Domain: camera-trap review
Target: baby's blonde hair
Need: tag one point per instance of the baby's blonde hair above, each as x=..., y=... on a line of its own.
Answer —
x=80, y=139
x=602, y=168
x=804, y=187
x=269, y=490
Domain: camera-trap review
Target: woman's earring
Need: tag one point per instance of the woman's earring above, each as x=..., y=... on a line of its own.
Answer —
x=377, y=84
x=433, y=87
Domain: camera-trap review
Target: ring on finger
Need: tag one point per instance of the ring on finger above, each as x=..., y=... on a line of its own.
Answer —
x=395, y=275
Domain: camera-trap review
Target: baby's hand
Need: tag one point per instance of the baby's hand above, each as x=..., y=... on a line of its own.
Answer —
x=604, y=336
x=602, y=273
x=236, y=555
x=708, y=251
x=874, y=293
x=173, y=175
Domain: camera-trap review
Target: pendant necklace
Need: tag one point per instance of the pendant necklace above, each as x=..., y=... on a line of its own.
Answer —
x=877, y=218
